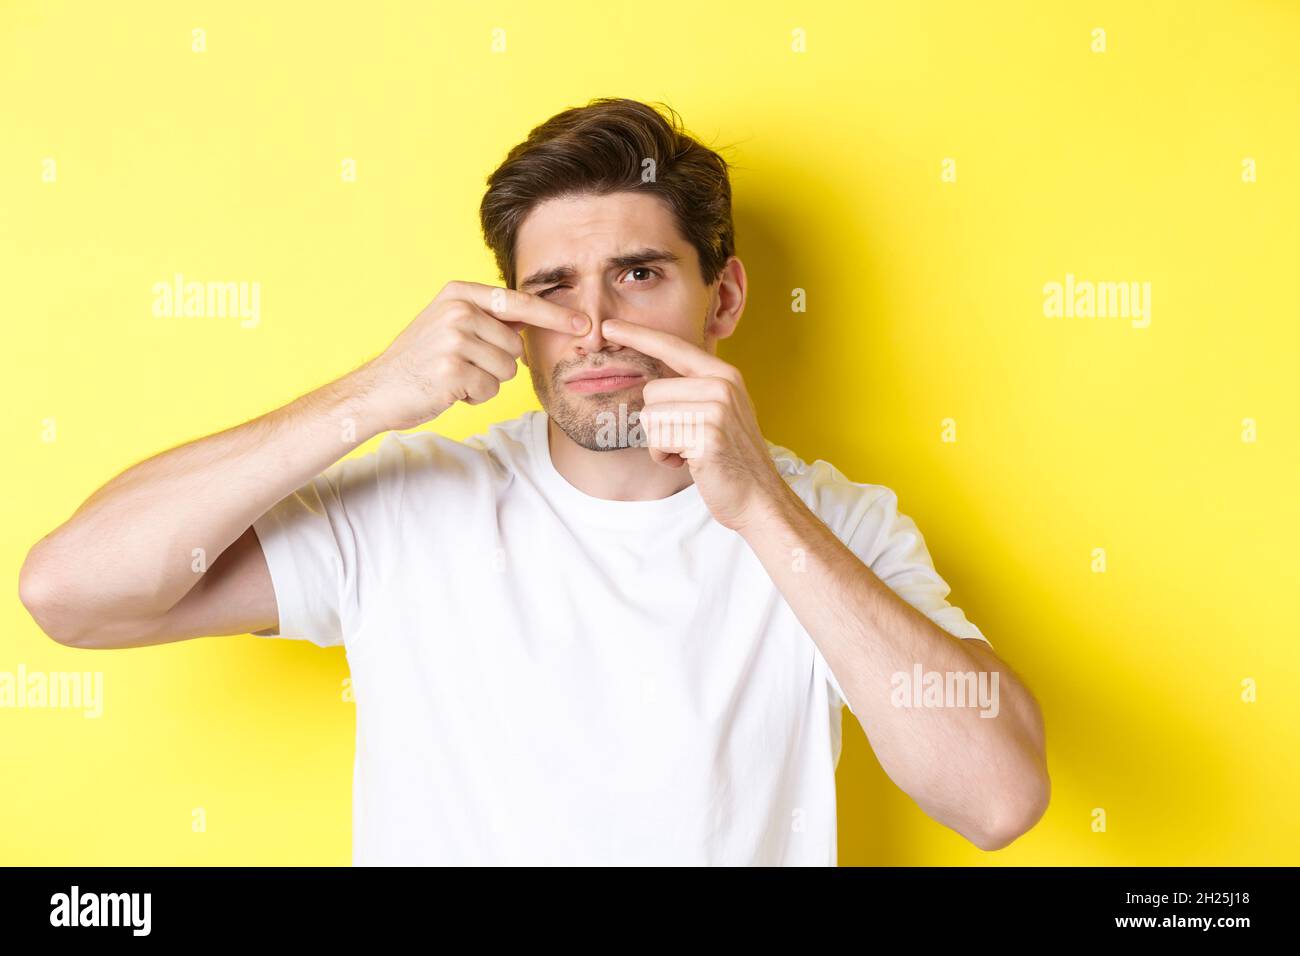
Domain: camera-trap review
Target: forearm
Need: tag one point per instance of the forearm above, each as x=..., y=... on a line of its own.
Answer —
x=137, y=545
x=983, y=777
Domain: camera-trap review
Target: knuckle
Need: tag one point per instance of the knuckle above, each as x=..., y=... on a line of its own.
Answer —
x=729, y=378
x=457, y=313
x=446, y=366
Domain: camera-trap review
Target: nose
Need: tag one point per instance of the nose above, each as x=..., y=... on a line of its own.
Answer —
x=598, y=307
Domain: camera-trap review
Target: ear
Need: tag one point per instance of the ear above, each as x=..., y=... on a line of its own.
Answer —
x=729, y=295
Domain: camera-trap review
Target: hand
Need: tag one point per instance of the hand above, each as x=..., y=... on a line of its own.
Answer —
x=705, y=420
x=460, y=348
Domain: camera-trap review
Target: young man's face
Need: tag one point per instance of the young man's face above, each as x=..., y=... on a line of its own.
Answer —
x=615, y=256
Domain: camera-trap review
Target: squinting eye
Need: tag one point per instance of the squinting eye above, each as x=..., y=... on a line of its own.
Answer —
x=545, y=292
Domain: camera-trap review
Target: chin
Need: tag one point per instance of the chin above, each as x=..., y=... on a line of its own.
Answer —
x=600, y=422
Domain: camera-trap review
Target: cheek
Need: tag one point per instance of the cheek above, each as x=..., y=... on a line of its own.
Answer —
x=686, y=321
x=542, y=347
x=674, y=311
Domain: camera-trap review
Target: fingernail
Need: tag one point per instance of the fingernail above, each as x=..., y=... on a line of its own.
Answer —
x=579, y=323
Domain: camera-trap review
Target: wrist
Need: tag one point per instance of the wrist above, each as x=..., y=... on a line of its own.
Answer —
x=361, y=405
x=774, y=507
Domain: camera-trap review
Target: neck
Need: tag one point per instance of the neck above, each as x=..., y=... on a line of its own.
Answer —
x=622, y=474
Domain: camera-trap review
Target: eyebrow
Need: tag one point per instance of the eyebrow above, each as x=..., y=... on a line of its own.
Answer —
x=639, y=257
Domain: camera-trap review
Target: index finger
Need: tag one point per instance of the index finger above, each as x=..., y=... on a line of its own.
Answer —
x=682, y=356
x=517, y=308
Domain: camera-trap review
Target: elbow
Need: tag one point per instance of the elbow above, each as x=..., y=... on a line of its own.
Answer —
x=1026, y=787
x=39, y=592
x=1016, y=814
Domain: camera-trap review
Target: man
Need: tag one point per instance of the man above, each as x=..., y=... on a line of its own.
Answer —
x=620, y=630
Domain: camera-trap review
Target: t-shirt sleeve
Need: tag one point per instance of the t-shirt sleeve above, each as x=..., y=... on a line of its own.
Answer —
x=867, y=519
x=890, y=542
x=324, y=546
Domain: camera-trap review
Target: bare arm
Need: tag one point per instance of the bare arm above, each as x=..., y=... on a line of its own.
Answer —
x=140, y=545
x=985, y=778
x=165, y=551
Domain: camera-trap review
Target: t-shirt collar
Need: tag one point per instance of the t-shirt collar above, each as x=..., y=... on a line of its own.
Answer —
x=684, y=504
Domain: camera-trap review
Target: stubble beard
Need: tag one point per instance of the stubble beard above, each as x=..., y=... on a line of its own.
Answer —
x=585, y=418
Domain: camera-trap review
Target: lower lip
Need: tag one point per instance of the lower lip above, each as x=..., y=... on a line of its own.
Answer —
x=611, y=384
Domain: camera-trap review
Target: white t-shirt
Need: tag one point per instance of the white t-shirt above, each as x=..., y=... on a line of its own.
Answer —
x=545, y=677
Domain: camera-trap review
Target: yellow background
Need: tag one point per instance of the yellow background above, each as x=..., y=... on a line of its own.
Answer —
x=925, y=302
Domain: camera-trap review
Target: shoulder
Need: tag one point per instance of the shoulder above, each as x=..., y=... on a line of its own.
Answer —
x=413, y=466
x=843, y=504
x=497, y=451
x=866, y=517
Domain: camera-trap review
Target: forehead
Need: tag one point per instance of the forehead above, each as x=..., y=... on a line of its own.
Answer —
x=581, y=229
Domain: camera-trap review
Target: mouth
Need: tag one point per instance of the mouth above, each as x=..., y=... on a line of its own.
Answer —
x=605, y=380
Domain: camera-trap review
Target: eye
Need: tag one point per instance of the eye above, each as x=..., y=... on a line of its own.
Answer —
x=653, y=273
x=545, y=292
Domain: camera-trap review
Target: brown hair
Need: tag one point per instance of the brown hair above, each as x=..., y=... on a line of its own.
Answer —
x=602, y=148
